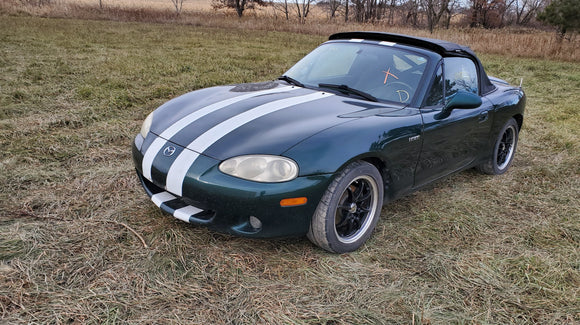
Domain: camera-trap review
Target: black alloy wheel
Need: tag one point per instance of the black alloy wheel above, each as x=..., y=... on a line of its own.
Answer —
x=349, y=209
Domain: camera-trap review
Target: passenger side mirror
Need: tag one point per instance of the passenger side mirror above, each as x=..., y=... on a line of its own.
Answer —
x=463, y=100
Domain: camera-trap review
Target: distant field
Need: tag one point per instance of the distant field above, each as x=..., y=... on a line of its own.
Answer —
x=81, y=243
x=157, y=4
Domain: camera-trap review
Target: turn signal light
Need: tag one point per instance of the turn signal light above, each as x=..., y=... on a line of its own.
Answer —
x=293, y=202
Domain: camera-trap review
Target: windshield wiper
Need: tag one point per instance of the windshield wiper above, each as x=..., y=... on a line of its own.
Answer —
x=291, y=80
x=348, y=90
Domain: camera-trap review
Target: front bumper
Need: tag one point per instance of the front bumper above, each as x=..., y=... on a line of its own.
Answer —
x=225, y=203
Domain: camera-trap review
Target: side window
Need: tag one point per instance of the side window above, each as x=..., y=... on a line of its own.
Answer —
x=435, y=96
x=460, y=74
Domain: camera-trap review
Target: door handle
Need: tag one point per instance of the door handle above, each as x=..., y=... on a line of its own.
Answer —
x=483, y=116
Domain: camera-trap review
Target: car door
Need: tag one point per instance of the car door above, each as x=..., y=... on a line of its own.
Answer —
x=452, y=139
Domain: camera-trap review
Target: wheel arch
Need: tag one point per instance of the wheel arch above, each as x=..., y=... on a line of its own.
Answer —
x=520, y=120
x=382, y=166
x=383, y=169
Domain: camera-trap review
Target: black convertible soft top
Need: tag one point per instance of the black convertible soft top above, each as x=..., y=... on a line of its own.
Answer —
x=444, y=48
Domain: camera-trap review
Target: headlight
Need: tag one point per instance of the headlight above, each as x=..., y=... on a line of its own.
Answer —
x=261, y=168
x=146, y=125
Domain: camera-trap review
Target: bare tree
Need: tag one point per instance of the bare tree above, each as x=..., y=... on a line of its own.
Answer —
x=505, y=14
x=358, y=6
x=434, y=10
x=368, y=10
x=487, y=13
x=526, y=10
x=177, y=4
x=411, y=8
x=302, y=9
x=332, y=7
x=451, y=10
x=283, y=7
x=238, y=5
x=392, y=7
x=437, y=12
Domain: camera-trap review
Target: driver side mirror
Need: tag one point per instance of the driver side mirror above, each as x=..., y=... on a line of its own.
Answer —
x=461, y=100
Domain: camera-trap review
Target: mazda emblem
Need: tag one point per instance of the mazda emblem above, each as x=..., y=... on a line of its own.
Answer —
x=168, y=151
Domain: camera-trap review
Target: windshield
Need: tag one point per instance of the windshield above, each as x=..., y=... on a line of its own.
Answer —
x=381, y=71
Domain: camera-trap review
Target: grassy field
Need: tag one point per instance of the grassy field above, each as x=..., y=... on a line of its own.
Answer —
x=80, y=242
x=515, y=42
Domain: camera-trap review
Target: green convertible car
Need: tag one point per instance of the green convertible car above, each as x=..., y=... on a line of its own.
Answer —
x=363, y=119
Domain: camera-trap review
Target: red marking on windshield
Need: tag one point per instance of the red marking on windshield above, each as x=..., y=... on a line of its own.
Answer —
x=387, y=74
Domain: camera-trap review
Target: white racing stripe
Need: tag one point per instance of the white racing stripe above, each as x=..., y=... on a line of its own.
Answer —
x=160, y=141
x=161, y=198
x=183, y=162
x=387, y=43
x=186, y=212
x=182, y=213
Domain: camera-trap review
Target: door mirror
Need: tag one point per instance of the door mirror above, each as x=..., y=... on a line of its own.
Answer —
x=463, y=100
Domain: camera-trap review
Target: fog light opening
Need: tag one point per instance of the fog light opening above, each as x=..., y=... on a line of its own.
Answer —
x=255, y=222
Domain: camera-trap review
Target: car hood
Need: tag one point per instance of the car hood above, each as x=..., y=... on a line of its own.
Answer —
x=263, y=118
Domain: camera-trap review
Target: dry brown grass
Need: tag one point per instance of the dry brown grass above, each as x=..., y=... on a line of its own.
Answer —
x=472, y=249
x=524, y=43
x=188, y=5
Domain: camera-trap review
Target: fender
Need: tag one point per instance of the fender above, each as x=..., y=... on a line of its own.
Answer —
x=392, y=138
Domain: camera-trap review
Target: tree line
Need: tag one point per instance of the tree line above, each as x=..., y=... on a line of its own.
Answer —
x=430, y=14
x=563, y=15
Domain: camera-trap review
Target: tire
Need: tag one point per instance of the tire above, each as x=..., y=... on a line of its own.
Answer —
x=504, y=150
x=349, y=209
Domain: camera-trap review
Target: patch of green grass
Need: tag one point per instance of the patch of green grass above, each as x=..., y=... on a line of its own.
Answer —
x=469, y=249
x=11, y=248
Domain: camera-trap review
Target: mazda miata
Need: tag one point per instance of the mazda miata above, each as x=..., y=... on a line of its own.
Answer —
x=363, y=119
